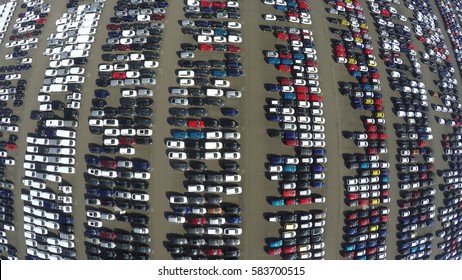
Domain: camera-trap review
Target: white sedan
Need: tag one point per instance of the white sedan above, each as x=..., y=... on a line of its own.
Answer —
x=269, y=17
x=177, y=155
x=175, y=144
x=106, y=68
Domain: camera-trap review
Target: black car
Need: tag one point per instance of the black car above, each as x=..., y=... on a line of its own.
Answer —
x=180, y=112
x=80, y=60
x=151, y=46
x=127, y=102
x=192, y=144
x=144, y=101
x=107, y=47
x=103, y=82
x=126, y=111
x=98, y=103
x=136, y=47
x=202, y=64
x=143, y=111
x=135, y=65
x=139, y=184
x=143, y=140
x=108, y=57
x=70, y=113
x=179, y=165
x=126, y=122
x=143, y=122
x=198, y=165
x=196, y=92
x=229, y=165
x=186, y=63
x=110, y=112
x=150, y=55
x=211, y=122
x=177, y=121
x=228, y=123
x=196, y=101
x=189, y=47
x=214, y=101
x=196, y=112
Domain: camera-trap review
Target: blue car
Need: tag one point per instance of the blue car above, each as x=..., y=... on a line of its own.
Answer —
x=289, y=96
x=128, y=18
x=182, y=209
x=319, y=152
x=196, y=135
x=291, y=135
x=92, y=160
x=273, y=88
x=114, y=34
x=367, y=87
x=317, y=184
x=96, y=149
x=233, y=220
x=290, y=168
x=277, y=159
x=350, y=247
x=384, y=179
x=281, y=8
x=234, y=65
x=66, y=220
x=371, y=243
x=273, y=61
x=356, y=74
x=220, y=32
x=230, y=112
x=287, y=61
x=317, y=168
x=160, y=4
x=201, y=23
x=235, y=73
x=361, y=245
x=352, y=231
x=219, y=73
x=50, y=205
x=298, y=56
x=180, y=135
x=91, y=232
x=141, y=165
x=277, y=202
x=105, y=193
x=101, y=93
x=275, y=118
x=275, y=243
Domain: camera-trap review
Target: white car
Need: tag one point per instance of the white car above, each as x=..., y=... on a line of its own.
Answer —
x=175, y=144
x=177, y=155
x=269, y=17
x=105, y=68
x=140, y=197
x=221, y=83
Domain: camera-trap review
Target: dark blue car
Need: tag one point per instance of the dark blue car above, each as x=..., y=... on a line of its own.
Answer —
x=50, y=205
x=235, y=73
x=101, y=93
x=128, y=18
x=275, y=118
x=319, y=152
x=317, y=184
x=66, y=220
x=114, y=34
x=291, y=135
x=141, y=165
x=277, y=160
x=91, y=232
x=196, y=135
x=230, y=112
x=182, y=209
x=92, y=160
x=273, y=88
x=202, y=23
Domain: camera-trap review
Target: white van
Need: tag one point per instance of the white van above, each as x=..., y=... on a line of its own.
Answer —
x=214, y=92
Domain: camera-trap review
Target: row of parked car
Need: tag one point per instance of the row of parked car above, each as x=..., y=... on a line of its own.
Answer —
x=296, y=107
x=366, y=230
x=115, y=176
x=205, y=129
x=412, y=106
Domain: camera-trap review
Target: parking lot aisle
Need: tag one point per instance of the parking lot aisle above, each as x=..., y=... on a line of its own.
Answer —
x=335, y=114
x=34, y=79
x=255, y=141
x=164, y=179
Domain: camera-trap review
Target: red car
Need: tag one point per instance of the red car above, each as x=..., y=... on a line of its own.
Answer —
x=205, y=3
x=305, y=200
x=291, y=201
x=107, y=234
x=213, y=252
x=293, y=14
x=119, y=75
x=285, y=55
x=275, y=251
x=206, y=48
x=286, y=81
x=374, y=212
x=284, y=68
x=384, y=218
x=127, y=140
x=368, y=51
x=378, y=108
x=422, y=144
x=197, y=221
x=11, y=146
x=303, y=5
x=340, y=48
x=315, y=98
x=311, y=63
x=340, y=54
x=364, y=202
x=108, y=163
x=303, y=96
x=301, y=89
x=294, y=37
x=122, y=48
x=372, y=151
x=351, y=215
x=113, y=27
x=217, y=4
x=196, y=124
x=383, y=136
x=292, y=142
x=364, y=222
x=371, y=251
x=353, y=196
x=371, y=128
x=385, y=193
x=41, y=21
x=289, y=193
x=157, y=17
x=373, y=136
x=375, y=76
x=291, y=249
x=353, y=67
x=282, y=36
x=232, y=48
